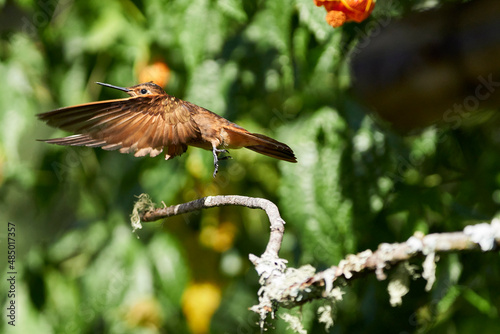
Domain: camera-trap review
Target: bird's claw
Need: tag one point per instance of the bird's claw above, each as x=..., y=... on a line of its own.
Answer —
x=218, y=150
x=216, y=153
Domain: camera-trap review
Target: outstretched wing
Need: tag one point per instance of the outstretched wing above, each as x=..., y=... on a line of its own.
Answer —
x=142, y=124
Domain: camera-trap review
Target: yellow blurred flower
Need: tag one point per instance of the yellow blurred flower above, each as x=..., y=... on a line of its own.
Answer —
x=145, y=313
x=220, y=238
x=199, y=303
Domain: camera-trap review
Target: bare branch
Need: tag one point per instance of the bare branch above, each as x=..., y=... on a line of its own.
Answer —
x=277, y=224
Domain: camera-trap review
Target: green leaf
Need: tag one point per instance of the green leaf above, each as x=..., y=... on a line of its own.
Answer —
x=311, y=192
x=193, y=36
x=314, y=18
x=234, y=9
x=170, y=266
x=448, y=299
x=481, y=303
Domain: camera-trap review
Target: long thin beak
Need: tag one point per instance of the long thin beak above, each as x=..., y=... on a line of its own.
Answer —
x=115, y=87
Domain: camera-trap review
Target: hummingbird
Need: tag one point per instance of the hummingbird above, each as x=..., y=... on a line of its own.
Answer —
x=151, y=121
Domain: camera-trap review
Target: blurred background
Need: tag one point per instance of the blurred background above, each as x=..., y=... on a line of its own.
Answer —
x=277, y=68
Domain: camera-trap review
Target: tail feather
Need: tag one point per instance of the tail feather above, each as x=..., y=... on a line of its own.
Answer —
x=272, y=148
x=262, y=144
x=273, y=152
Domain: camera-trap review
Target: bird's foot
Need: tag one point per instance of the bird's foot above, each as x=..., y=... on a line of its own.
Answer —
x=216, y=153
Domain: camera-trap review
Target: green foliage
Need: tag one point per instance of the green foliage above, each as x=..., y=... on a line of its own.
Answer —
x=312, y=192
x=274, y=67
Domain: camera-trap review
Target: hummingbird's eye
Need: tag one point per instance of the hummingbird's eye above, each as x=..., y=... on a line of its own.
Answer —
x=144, y=91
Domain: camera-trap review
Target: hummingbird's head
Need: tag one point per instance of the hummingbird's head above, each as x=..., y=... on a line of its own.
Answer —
x=147, y=88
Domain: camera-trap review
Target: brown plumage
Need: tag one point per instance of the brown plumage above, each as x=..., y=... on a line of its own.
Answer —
x=150, y=121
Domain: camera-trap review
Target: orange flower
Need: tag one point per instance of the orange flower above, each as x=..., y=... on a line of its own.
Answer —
x=158, y=72
x=342, y=11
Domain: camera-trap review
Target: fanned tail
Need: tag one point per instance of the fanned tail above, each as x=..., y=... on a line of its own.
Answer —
x=261, y=144
x=272, y=148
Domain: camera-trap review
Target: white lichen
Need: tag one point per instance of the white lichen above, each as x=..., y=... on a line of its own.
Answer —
x=415, y=245
x=384, y=253
x=329, y=276
x=484, y=234
x=430, y=243
x=354, y=263
x=429, y=272
x=336, y=294
x=399, y=285
x=294, y=323
x=325, y=316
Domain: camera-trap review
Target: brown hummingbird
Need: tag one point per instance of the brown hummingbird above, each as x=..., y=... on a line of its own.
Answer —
x=150, y=121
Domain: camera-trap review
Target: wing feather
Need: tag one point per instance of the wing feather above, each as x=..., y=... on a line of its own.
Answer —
x=142, y=124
